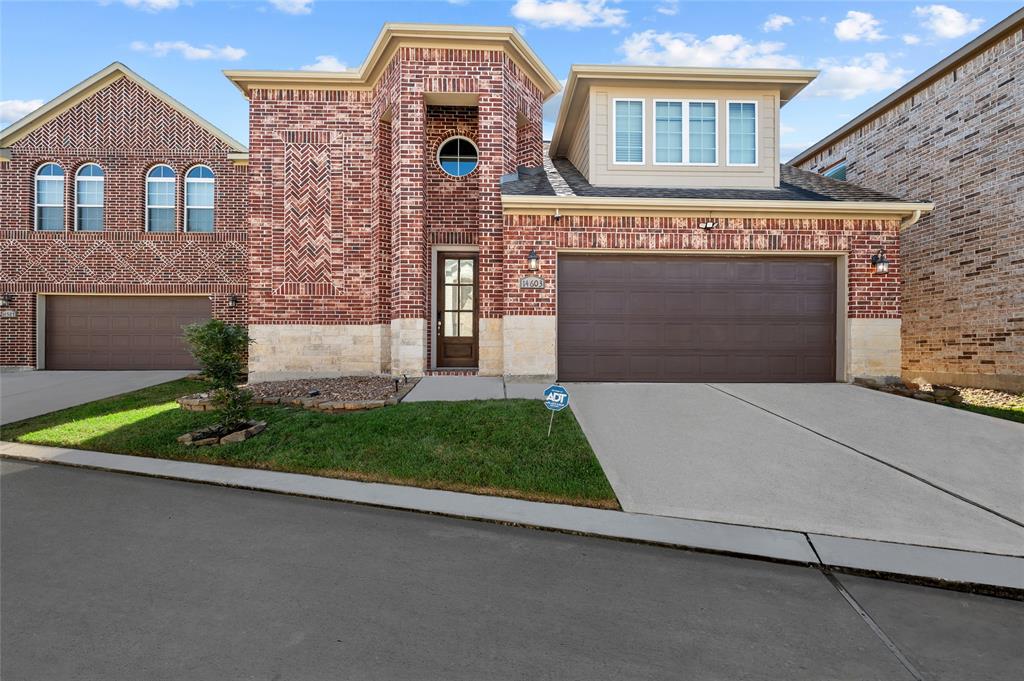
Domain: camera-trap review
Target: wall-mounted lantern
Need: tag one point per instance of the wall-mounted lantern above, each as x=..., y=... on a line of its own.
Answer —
x=880, y=262
x=6, y=299
x=232, y=300
x=533, y=261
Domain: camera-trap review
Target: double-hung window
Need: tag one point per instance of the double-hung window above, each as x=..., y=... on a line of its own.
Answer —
x=668, y=131
x=50, y=198
x=89, y=198
x=703, y=133
x=742, y=133
x=199, y=183
x=628, y=122
x=160, y=191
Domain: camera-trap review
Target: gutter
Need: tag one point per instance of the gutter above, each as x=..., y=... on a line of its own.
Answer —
x=909, y=212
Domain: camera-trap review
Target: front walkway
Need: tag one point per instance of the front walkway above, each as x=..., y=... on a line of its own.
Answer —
x=829, y=459
x=458, y=388
x=24, y=394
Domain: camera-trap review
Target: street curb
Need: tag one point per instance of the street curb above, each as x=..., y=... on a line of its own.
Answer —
x=943, y=565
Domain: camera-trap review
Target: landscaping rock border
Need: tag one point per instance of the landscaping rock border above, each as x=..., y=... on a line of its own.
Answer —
x=940, y=394
x=215, y=435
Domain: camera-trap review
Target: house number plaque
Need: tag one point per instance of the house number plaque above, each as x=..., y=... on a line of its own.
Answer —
x=531, y=282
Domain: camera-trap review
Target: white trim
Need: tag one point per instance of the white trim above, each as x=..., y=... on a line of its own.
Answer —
x=686, y=137
x=173, y=206
x=36, y=178
x=200, y=180
x=103, y=193
x=643, y=131
x=683, y=107
x=437, y=156
x=757, y=150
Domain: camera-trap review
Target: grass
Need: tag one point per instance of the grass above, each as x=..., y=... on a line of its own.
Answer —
x=492, y=447
x=1010, y=413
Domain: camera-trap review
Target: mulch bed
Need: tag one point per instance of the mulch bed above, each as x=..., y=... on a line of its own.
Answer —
x=342, y=389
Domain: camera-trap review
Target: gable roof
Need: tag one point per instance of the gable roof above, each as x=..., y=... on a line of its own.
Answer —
x=1010, y=24
x=583, y=76
x=94, y=83
x=393, y=35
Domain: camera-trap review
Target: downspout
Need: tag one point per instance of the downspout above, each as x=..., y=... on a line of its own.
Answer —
x=910, y=221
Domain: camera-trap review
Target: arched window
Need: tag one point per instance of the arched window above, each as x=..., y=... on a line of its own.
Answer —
x=457, y=156
x=89, y=198
x=160, y=185
x=50, y=198
x=199, y=199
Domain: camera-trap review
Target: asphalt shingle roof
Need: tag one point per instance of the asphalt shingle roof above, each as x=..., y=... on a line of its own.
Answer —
x=795, y=185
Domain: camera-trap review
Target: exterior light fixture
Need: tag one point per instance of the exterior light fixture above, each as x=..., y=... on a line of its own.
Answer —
x=558, y=215
x=533, y=261
x=232, y=300
x=880, y=262
x=6, y=299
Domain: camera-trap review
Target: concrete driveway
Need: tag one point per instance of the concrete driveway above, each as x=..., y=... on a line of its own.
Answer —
x=24, y=394
x=826, y=458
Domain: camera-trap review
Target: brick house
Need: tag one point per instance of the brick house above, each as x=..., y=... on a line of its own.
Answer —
x=94, y=276
x=954, y=135
x=405, y=217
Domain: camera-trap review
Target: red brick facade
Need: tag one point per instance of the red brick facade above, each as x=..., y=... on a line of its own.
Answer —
x=956, y=141
x=137, y=131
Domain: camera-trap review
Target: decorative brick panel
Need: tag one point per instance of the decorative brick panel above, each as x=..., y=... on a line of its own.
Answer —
x=126, y=130
x=958, y=142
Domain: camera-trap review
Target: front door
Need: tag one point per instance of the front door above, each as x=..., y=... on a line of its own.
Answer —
x=457, y=319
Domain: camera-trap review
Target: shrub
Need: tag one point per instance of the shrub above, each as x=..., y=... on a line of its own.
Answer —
x=220, y=349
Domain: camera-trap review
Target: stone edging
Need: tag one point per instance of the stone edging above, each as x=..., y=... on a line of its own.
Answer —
x=316, y=403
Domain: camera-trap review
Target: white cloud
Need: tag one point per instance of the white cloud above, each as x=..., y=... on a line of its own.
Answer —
x=858, y=76
x=571, y=14
x=776, y=22
x=946, y=22
x=859, y=26
x=669, y=8
x=910, y=39
x=293, y=6
x=786, y=129
x=153, y=5
x=13, y=109
x=164, y=48
x=682, y=49
x=326, y=62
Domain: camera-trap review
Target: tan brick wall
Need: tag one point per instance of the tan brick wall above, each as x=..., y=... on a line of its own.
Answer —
x=959, y=142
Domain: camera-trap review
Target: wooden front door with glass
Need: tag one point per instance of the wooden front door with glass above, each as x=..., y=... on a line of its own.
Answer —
x=457, y=310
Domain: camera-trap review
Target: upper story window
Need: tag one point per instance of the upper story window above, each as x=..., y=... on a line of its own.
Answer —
x=703, y=121
x=160, y=190
x=837, y=172
x=742, y=133
x=628, y=123
x=668, y=131
x=199, y=184
x=458, y=156
x=50, y=198
x=89, y=198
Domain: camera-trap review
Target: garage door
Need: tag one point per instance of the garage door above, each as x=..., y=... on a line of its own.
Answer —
x=120, y=332
x=643, y=318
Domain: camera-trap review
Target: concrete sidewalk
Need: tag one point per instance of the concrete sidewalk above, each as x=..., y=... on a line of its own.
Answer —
x=461, y=388
x=24, y=394
x=796, y=547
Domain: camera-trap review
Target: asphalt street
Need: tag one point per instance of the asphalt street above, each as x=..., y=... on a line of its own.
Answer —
x=110, y=576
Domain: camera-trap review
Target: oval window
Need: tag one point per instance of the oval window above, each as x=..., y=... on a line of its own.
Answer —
x=457, y=156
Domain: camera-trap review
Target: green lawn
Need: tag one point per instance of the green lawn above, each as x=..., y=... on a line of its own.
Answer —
x=1010, y=413
x=493, y=447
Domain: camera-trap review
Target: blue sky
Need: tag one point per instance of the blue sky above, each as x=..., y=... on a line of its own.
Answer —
x=865, y=49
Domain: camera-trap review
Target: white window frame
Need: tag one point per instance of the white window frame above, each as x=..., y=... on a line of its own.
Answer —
x=643, y=130
x=686, y=135
x=437, y=156
x=683, y=123
x=174, y=195
x=103, y=193
x=35, y=196
x=757, y=142
x=202, y=180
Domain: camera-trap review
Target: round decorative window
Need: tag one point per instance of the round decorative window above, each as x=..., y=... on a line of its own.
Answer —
x=457, y=156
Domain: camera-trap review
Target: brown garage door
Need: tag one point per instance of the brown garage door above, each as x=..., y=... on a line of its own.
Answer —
x=695, y=318
x=120, y=332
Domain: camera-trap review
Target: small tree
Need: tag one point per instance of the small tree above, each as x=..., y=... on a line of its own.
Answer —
x=220, y=349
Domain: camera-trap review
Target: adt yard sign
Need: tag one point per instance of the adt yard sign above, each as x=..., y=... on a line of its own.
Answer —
x=556, y=398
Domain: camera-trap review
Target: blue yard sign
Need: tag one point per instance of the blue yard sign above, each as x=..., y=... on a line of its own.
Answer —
x=556, y=398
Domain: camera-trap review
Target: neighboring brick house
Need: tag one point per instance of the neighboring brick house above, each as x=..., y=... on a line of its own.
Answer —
x=404, y=217
x=78, y=262
x=954, y=135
